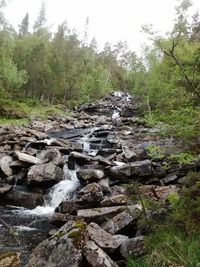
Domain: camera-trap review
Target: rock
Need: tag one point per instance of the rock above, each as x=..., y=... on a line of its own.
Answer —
x=171, y=178
x=141, y=168
x=120, y=172
x=57, y=251
x=114, y=200
x=80, y=158
x=66, y=207
x=122, y=219
x=103, y=239
x=90, y=174
x=5, y=163
x=158, y=192
x=128, y=154
x=100, y=214
x=4, y=189
x=10, y=259
x=133, y=247
x=90, y=194
x=45, y=174
x=52, y=155
x=58, y=219
x=27, y=158
x=104, y=183
x=96, y=257
x=21, y=198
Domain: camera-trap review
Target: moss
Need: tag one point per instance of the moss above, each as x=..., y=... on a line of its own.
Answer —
x=80, y=224
x=74, y=233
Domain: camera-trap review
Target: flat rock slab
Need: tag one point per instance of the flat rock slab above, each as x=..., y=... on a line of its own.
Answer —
x=27, y=158
x=114, y=200
x=103, y=239
x=100, y=214
x=96, y=257
x=122, y=219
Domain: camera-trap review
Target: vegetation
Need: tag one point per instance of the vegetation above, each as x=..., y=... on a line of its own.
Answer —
x=173, y=241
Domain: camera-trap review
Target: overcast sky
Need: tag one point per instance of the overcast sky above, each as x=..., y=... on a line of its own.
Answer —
x=109, y=20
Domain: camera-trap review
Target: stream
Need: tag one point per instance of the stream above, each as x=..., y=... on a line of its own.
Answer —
x=21, y=229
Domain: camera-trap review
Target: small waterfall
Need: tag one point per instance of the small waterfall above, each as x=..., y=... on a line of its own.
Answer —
x=60, y=192
x=85, y=141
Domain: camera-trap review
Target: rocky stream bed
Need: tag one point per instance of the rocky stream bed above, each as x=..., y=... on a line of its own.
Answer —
x=65, y=186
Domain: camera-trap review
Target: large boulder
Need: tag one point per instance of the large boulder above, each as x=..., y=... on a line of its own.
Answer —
x=135, y=169
x=96, y=257
x=121, y=220
x=88, y=175
x=52, y=155
x=45, y=174
x=90, y=194
x=115, y=200
x=57, y=251
x=103, y=239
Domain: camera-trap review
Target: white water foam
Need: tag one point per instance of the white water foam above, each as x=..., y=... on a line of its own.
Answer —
x=22, y=228
x=60, y=192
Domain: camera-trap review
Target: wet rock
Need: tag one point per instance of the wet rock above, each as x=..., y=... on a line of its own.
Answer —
x=103, y=239
x=90, y=194
x=45, y=174
x=122, y=219
x=22, y=198
x=27, y=158
x=5, y=163
x=114, y=200
x=66, y=207
x=10, y=259
x=88, y=175
x=100, y=214
x=57, y=251
x=133, y=247
x=96, y=257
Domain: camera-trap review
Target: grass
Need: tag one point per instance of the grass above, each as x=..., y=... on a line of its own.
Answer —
x=169, y=246
x=22, y=112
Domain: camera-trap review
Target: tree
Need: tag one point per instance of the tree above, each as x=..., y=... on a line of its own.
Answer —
x=41, y=19
x=24, y=26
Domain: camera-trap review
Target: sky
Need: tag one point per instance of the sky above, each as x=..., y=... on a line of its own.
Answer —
x=109, y=20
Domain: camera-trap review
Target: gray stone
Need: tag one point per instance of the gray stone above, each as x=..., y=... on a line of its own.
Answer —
x=115, y=200
x=96, y=257
x=52, y=155
x=4, y=189
x=27, y=158
x=103, y=239
x=47, y=173
x=5, y=163
x=91, y=193
x=100, y=214
x=57, y=251
x=133, y=247
x=90, y=174
x=122, y=219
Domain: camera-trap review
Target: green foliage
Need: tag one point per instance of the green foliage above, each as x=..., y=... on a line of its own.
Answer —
x=187, y=209
x=183, y=158
x=169, y=246
x=155, y=152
